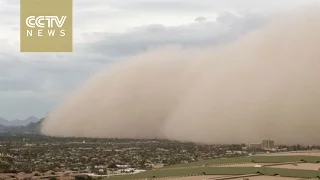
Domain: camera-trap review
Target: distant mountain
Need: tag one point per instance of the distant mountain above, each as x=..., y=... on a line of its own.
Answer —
x=4, y=122
x=19, y=122
x=33, y=127
x=24, y=122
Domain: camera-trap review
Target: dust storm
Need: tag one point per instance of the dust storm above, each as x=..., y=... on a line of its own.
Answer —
x=264, y=85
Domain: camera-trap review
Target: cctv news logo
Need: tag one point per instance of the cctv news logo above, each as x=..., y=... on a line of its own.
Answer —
x=46, y=25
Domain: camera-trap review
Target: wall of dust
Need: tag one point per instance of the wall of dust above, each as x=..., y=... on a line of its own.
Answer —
x=265, y=85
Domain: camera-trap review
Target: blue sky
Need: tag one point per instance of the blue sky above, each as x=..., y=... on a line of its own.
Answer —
x=109, y=30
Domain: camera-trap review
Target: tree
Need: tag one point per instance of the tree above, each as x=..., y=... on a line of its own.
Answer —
x=79, y=177
x=113, y=166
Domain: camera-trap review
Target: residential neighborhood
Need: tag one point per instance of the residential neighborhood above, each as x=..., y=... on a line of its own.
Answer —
x=38, y=154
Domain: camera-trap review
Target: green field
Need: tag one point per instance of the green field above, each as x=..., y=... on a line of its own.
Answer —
x=197, y=168
x=222, y=171
x=276, y=159
x=214, y=161
x=249, y=159
x=187, y=172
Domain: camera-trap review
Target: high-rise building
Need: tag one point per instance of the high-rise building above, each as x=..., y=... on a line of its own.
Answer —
x=267, y=144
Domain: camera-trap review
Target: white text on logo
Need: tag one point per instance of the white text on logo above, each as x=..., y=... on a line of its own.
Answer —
x=33, y=21
x=45, y=22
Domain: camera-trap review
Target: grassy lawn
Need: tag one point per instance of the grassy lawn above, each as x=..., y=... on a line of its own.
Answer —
x=222, y=171
x=197, y=168
x=214, y=161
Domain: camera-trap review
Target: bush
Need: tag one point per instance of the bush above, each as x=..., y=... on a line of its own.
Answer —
x=85, y=177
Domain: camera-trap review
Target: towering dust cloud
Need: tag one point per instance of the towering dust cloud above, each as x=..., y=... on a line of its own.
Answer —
x=265, y=85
